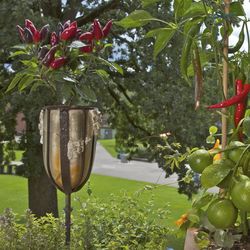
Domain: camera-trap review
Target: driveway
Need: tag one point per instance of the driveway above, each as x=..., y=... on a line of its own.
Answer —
x=105, y=164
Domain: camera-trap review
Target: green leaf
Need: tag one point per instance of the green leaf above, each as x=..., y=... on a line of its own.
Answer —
x=210, y=139
x=162, y=40
x=213, y=130
x=195, y=10
x=113, y=65
x=146, y=3
x=17, y=53
x=237, y=9
x=15, y=81
x=136, y=19
x=29, y=63
x=202, y=201
x=86, y=93
x=186, y=50
x=180, y=6
x=25, y=82
x=76, y=44
x=69, y=79
x=102, y=73
x=214, y=174
x=194, y=218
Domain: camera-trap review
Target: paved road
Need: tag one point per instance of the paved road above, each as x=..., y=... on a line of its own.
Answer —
x=105, y=164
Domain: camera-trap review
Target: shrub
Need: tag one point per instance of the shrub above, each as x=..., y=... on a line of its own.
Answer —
x=122, y=223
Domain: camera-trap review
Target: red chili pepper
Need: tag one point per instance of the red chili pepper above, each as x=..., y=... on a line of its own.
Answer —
x=240, y=108
x=68, y=33
x=36, y=37
x=59, y=28
x=86, y=49
x=66, y=24
x=54, y=39
x=44, y=32
x=73, y=24
x=58, y=63
x=42, y=52
x=97, y=30
x=30, y=26
x=28, y=37
x=49, y=57
x=21, y=33
x=78, y=33
x=86, y=36
x=233, y=100
x=107, y=28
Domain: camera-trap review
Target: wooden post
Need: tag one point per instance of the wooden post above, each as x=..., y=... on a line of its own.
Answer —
x=225, y=76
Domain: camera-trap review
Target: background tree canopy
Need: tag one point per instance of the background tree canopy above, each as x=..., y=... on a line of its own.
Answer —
x=149, y=99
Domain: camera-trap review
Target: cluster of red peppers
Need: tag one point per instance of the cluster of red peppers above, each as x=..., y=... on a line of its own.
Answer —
x=240, y=102
x=66, y=32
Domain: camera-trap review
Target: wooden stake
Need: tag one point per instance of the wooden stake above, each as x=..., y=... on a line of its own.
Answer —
x=225, y=76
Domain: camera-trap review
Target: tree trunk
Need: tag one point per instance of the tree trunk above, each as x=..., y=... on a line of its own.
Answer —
x=42, y=195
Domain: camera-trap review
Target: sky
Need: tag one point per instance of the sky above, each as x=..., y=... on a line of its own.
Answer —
x=234, y=37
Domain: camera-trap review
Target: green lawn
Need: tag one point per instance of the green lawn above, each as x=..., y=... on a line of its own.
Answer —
x=14, y=194
x=109, y=145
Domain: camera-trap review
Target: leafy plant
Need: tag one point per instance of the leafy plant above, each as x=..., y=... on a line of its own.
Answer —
x=119, y=224
x=61, y=60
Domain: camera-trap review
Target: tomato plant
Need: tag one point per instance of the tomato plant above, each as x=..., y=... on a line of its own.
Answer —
x=207, y=54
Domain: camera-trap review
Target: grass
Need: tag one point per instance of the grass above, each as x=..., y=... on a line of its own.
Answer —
x=109, y=145
x=14, y=194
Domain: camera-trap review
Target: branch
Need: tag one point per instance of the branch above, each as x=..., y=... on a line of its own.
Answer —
x=71, y=9
x=97, y=12
x=130, y=119
x=52, y=8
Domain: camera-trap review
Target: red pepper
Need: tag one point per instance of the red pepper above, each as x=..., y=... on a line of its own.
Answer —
x=21, y=33
x=44, y=32
x=68, y=33
x=86, y=49
x=73, y=24
x=54, y=39
x=107, y=28
x=36, y=37
x=28, y=37
x=97, y=30
x=240, y=108
x=30, y=26
x=86, y=36
x=66, y=24
x=49, y=57
x=58, y=63
x=233, y=100
x=42, y=52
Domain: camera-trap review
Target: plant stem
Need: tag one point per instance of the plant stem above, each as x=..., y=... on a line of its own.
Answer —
x=243, y=217
x=225, y=74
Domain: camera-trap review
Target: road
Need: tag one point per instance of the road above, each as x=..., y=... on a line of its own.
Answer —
x=105, y=164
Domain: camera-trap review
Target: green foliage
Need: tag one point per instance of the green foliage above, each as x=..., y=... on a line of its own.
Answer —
x=97, y=225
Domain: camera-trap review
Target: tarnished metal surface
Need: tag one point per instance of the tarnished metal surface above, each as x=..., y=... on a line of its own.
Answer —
x=69, y=139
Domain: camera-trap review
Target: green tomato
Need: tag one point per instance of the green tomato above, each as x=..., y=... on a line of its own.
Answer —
x=199, y=160
x=222, y=213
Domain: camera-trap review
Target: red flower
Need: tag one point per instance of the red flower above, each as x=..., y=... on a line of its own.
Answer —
x=58, y=63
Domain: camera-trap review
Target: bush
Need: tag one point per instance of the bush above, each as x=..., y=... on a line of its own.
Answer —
x=122, y=223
